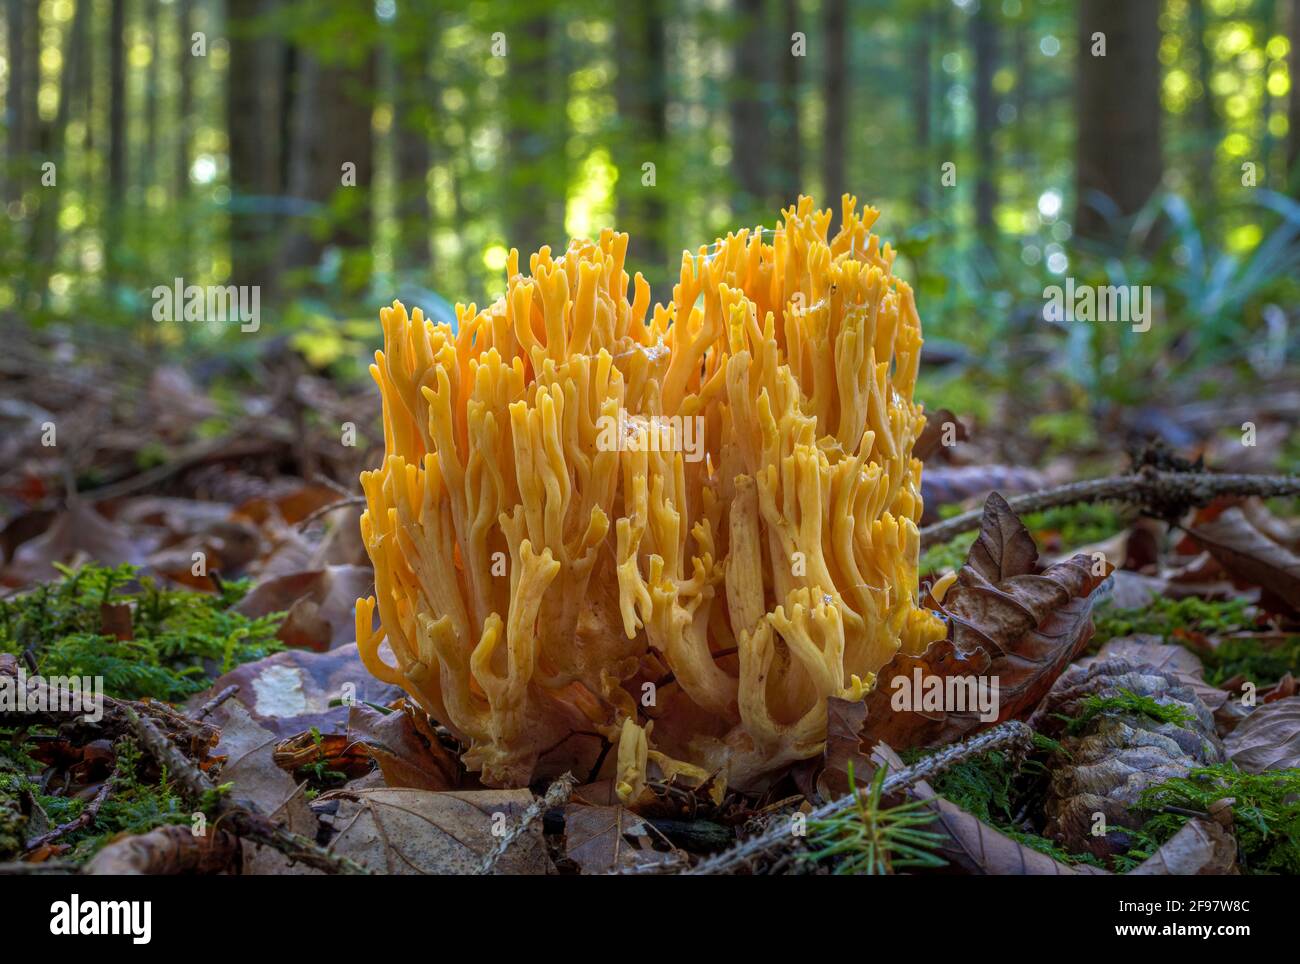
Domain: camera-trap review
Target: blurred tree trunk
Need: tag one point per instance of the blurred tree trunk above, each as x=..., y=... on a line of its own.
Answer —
x=414, y=106
x=786, y=131
x=16, y=28
x=536, y=172
x=1293, y=106
x=642, y=90
x=835, y=33
x=332, y=165
x=45, y=241
x=184, y=131
x=151, y=87
x=749, y=141
x=1207, y=118
x=984, y=43
x=1118, y=150
x=253, y=103
x=921, y=106
x=117, y=147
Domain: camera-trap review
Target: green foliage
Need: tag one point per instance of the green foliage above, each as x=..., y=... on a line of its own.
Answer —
x=182, y=639
x=1265, y=811
x=948, y=555
x=1259, y=662
x=1126, y=702
x=1078, y=525
x=871, y=839
x=1162, y=616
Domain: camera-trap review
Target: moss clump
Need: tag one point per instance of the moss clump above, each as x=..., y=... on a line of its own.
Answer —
x=181, y=639
x=1265, y=811
x=1126, y=702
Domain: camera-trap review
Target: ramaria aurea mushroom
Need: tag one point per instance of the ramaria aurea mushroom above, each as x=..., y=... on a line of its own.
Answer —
x=674, y=531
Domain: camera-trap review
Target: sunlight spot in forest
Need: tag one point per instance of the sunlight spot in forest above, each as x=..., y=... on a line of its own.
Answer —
x=204, y=169
x=495, y=257
x=1278, y=83
x=1049, y=204
x=1244, y=238
x=1050, y=45
x=591, y=203
x=1278, y=47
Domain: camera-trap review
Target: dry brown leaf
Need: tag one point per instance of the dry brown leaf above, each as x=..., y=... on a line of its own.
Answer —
x=1252, y=556
x=405, y=746
x=1006, y=623
x=292, y=691
x=407, y=831
x=79, y=534
x=321, y=604
x=1268, y=739
x=596, y=839
x=1200, y=848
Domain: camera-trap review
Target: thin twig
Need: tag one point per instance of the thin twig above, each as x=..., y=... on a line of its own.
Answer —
x=327, y=509
x=556, y=795
x=84, y=819
x=778, y=840
x=1168, y=494
x=211, y=705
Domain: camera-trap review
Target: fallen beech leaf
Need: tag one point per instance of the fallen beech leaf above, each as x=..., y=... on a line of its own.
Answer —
x=292, y=691
x=1200, y=848
x=77, y=534
x=1007, y=623
x=406, y=831
x=321, y=604
x=1251, y=556
x=115, y=621
x=1268, y=739
x=595, y=838
x=405, y=746
x=844, y=722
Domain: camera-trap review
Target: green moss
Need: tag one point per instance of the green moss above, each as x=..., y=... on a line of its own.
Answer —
x=1130, y=703
x=1265, y=811
x=182, y=639
x=1163, y=617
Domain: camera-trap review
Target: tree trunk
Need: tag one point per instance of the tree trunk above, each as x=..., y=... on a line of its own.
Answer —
x=984, y=43
x=642, y=90
x=1293, y=106
x=835, y=34
x=332, y=151
x=415, y=107
x=536, y=174
x=252, y=123
x=16, y=96
x=786, y=130
x=749, y=162
x=921, y=108
x=117, y=147
x=1118, y=151
x=151, y=85
x=45, y=242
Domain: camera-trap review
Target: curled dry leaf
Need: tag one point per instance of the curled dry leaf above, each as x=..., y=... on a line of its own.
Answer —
x=1200, y=848
x=1252, y=556
x=1268, y=739
x=76, y=535
x=1008, y=624
x=406, y=831
x=405, y=746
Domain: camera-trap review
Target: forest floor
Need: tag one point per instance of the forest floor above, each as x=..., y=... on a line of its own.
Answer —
x=191, y=536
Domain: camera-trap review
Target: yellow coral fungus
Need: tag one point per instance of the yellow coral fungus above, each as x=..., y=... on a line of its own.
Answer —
x=678, y=531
